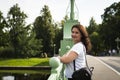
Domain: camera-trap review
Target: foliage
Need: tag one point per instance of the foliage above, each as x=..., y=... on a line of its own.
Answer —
x=21, y=37
x=103, y=35
x=34, y=47
x=16, y=23
x=97, y=44
x=44, y=29
x=92, y=26
x=19, y=40
x=58, y=37
x=94, y=36
x=6, y=52
x=110, y=28
x=3, y=35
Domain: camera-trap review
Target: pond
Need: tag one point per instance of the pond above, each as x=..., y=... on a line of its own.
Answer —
x=24, y=74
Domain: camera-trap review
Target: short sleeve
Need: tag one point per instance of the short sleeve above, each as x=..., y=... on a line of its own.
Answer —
x=78, y=48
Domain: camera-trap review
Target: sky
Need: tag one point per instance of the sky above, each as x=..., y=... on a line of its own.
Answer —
x=84, y=9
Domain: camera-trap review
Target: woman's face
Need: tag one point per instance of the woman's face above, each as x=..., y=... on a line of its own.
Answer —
x=76, y=35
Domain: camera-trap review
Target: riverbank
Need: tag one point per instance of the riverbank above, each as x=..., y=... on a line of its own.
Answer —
x=24, y=62
x=25, y=68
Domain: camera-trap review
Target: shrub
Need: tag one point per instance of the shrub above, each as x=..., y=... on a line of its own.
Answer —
x=6, y=52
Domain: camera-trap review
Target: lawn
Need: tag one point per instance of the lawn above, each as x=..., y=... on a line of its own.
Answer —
x=25, y=62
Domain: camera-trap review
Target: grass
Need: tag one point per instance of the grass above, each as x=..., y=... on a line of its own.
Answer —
x=25, y=62
x=37, y=74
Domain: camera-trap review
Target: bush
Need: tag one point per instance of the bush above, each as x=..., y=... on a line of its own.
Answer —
x=6, y=52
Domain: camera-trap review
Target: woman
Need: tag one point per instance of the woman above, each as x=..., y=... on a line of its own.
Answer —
x=81, y=45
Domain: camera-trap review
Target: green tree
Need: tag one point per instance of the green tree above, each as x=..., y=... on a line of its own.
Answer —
x=32, y=46
x=97, y=43
x=110, y=28
x=93, y=29
x=1, y=29
x=3, y=34
x=92, y=26
x=58, y=36
x=44, y=29
x=18, y=34
x=22, y=38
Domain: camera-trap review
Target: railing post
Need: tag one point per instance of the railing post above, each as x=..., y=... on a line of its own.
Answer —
x=56, y=70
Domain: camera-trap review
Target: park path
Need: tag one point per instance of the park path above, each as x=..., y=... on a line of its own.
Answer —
x=101, y=70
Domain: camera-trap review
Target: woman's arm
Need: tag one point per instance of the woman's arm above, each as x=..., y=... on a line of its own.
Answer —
x=69, y=57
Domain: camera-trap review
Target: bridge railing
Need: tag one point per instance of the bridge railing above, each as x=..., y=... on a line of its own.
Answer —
x=56, y=69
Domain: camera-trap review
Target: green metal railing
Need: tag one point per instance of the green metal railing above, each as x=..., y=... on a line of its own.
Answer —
x=57, y=69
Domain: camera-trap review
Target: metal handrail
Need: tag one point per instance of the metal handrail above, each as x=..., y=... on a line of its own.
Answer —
x=57, y=69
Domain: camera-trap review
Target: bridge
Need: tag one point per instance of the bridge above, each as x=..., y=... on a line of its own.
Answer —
x=57, y=72
x=101, y=71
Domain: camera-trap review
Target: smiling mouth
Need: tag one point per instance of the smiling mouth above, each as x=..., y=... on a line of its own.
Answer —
x=74, y=38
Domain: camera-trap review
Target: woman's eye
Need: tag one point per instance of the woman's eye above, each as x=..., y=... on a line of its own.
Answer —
x=76, y=32
x=72, y=31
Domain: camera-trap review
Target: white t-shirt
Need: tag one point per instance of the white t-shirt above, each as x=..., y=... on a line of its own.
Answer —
x=79, y=48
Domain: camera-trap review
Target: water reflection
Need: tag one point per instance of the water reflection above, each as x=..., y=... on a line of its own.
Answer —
x=24, y=76
x=8, y=78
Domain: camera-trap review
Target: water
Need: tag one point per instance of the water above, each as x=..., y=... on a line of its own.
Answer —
x=8, y=78
x=24, y=75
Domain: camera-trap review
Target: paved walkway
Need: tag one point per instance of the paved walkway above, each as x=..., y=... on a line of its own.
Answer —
x=101, y=70
x=113, y=61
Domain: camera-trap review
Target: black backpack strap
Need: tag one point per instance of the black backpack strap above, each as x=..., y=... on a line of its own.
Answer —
x=85, y=60
x=74, y=65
